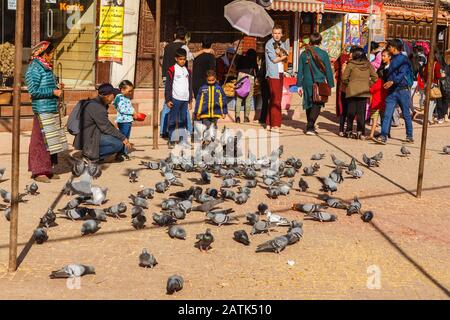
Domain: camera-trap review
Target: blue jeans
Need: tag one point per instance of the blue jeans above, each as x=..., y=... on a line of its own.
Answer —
x=164, y=123
x=125, y=128
x=109, y=145
x=402, y=98
x=178, y=116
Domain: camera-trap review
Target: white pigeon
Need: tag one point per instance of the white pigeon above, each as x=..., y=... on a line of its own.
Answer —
x=278, y=220
x=72, y=271
x=98, y=196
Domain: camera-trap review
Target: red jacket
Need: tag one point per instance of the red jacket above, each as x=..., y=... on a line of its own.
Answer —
x=437, y=72
x=379, y=95
x=169, y=84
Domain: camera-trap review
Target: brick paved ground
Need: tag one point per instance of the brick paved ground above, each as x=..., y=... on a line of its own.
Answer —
x=408, y=240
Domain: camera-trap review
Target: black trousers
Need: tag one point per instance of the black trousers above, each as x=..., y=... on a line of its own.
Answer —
x=356, y=107
x=265, y=95
x=442, y=107
x=343, y=116
x=311, y=116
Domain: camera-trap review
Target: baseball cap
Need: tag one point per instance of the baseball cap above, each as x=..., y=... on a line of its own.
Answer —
x=106, y=89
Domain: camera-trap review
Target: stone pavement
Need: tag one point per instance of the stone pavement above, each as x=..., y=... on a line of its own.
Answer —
x=403, y=254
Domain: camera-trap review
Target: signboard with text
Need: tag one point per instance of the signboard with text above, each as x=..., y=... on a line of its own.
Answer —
x=110, y=40
x=351, y=6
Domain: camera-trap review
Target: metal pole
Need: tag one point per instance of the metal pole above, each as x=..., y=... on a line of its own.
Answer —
x=156, y=81
x=427, y=100
x=16, y=137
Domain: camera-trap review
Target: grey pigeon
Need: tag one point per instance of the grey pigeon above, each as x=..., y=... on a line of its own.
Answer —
x=250, y=173
x=90, y=227
x=252, y=218
x=277, y=245
x=212, y=192
x=251, y=184
x=405, y=152
x=32, y=189
x=185, y=205
x=354, y=207
x=241, y=198
x=445, y=150
x=177, y=232
x=133, y=176
x=227, y=194
x=139, y=202
x=262, y=226
x=294, y=163
x=7, y=196
x=322, y=216
x=337, y=162
x=204, y=198
x=177, y=213
x=139, y=221
x=48, y=219
x=220, y=217
x=72, y=271
x=289, y=172
x=367, y=216
x=242, y=237
x=284, y=189
x=136, y=211
x=117, y=210
x=204, y=240
x=273, y=193
x=318, y=156
x=78, y=168
x=206, y=177
x=163, y=219
x=208, y=206
x=245, y=190
x=186, y=194
x=7, y=213
x=378, y=157
x=94, y=170
x=369, y=161
x=174, y=283
x=303, y=185
x=328, y=185
x=147, y=193
x=307, y=207
x=262, y=208
x=336, y=175
x=98, y=196
x=147, y=260
x=295, y=232
x=97, y=214
x=229, y=183
x=333, y=202
x=150, y=165
x=309, y=171
x=170, y=203
x=161, y=187
x=352, y=165
x=356, y=174
x=2, y=172
x=76, y=213
x=40, y=235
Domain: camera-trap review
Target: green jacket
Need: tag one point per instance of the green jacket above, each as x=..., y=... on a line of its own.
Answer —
x=304, y=78
x=41, y=82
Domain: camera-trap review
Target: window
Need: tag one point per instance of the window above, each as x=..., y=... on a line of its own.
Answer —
x=8, y=22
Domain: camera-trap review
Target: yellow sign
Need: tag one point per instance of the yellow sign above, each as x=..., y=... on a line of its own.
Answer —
x=110, y=40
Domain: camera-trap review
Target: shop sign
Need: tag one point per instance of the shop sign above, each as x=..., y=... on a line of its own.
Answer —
x=12, y=4
x=110, y=39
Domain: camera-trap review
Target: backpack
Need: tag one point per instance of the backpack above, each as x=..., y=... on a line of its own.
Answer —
x=243, y=87
x=73, y=123
x=445, y=82
x=410, y=78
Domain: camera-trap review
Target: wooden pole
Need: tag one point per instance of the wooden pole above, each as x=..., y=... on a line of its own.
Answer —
x=156, y=81
x=427, y=100
x=16, y=137
x=369, y=45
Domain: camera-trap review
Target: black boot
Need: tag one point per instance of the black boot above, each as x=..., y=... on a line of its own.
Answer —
x=238, y=120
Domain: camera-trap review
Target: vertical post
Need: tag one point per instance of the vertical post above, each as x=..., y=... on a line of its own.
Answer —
x=156, y=81
x=369, y=45
x=16, y=137
x=427, y=100
x=344, y=33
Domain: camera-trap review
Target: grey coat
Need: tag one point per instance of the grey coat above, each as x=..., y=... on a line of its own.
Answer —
x=93, y=123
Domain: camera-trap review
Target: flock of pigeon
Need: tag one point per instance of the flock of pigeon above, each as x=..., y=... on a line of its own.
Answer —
x=269, y=172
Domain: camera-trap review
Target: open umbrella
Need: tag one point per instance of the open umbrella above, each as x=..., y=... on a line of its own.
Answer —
x=249, y=18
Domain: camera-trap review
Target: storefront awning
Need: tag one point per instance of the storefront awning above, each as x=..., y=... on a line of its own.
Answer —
x=298, y=6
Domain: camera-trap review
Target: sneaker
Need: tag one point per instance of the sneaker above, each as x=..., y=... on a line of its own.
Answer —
x=409, y=140
x=446, y=118
x=246, y=119
x=238, y=120
x=381, y=140
x=171, y=145
x=311, y=133
x=341, y=134
x=120, y=158
x=440, y=121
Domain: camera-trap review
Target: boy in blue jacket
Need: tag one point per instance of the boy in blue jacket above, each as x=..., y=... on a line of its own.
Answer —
x=210, y=104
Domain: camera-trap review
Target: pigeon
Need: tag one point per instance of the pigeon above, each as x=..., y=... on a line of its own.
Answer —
x=117, y=210
x=322, y=216
x=336, y=175
x=208, y=206
x=206, y=177
x=303, y=185
x=318, y=156
x=204, y=240
x=7, y=196
x=273, y=193
x=245, y=190
x=227, y=194
x=203, y=198
x=333, y=202
x=242, y=237
x=445, y=150
x=90, y=227
x=7, y=213
x=284, y=189
x=147, y=260
x=378, y=157
x=97, y=214
x=369, y=161
x=356, y=174
x=170, y=203
x=250, y=173
x=139, y=202
x=72, y=271
x=133, y=176
x=352, y=166
x=328, y=185
x=220, y=217
x=277, y=245
x=74, y=203
x=212, y=192
x=48, y=219
x=174, y=284
x=309, y=171
x=263, y=208
x=150, y=165
x=367, y=216
x=32, y=189
x=136, y=211
x=76, y=213
x=337, y=162
x=177, y=232
x=295, y=232
x=98, y=196
x=277, y=220
x=78, y=168
x=185, y=194
x=262, y=226
x=163, y=219
x=185, y=206
x=162, y=187
x=252, y=218
x=405, y=152
x=241, y=198
x=269, y=181
x=229, y=183
x=147, y=193
x=177, y=213
x=139, y=221
x=289, y=172
x=2, y=172
x=307, y=207
x=251, y=184
x=40, y=235
x=354, y=207
x=82, y=186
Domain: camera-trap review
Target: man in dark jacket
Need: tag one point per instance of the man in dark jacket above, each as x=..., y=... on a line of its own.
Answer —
x=204, y=62
x=98, y=138
x=399, y=75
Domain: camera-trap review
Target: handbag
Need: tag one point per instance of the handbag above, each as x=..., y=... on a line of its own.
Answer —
x=229, y=89
x=242, y=87
x=435, y=92
x=321, y=90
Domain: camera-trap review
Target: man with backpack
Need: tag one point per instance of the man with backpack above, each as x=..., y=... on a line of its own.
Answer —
x=96, y=135
x=400, y=79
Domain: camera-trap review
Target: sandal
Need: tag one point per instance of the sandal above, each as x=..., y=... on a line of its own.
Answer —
x=42, y=179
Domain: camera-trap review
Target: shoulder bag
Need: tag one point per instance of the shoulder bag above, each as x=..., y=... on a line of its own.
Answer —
x=321, y=90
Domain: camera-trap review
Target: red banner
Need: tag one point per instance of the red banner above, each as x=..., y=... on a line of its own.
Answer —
x=352, y=6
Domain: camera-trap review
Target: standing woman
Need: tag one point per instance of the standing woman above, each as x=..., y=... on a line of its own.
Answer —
x=317, y=60
x=47, y=138
x=358, y=77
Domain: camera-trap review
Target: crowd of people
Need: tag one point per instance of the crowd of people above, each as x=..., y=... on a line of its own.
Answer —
x=373, y=88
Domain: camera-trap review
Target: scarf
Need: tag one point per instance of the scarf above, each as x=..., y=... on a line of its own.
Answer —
x=46, y=64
